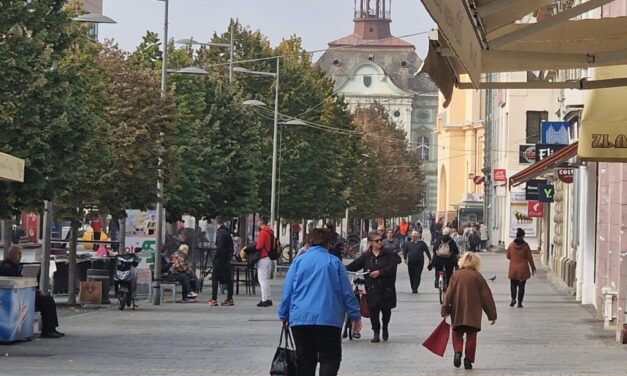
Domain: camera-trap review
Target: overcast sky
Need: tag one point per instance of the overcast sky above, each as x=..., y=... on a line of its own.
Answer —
x=316, y=21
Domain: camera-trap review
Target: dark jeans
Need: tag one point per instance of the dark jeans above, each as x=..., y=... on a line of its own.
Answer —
x=188, y=283
x=448, y=269
x=386, y=315
x=315, y=344
x=415, y=272
x=518, y=288
x=222, y=274
x=47, y=307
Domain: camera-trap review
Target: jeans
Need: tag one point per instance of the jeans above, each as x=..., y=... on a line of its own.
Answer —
x=471, y=341
x=47, y=307
x=386, y=314
x=415, y=272
x=188, y=283
x=264, y=267
x=226, y=273
x=518, y=288
x=315, y=343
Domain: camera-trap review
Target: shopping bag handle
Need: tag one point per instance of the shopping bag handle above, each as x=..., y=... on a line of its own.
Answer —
x=289, y=342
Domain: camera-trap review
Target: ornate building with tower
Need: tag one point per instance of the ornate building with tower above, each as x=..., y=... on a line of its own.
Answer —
x=370, y=66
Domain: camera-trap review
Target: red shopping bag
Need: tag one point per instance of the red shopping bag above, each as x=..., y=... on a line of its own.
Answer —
x=438, y=340
x=363, y=307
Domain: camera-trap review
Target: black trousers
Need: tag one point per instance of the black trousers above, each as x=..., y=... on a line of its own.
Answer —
x=223, y=274
x=518, y=290
x=415, y=272
x=318, y=344
x=375, y=320
x=188, y=283
x=48, y=308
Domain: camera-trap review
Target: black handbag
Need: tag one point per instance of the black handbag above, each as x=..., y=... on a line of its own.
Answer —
x=284, y=362
x=252, y=255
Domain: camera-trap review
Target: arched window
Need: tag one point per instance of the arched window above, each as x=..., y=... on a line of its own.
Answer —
x=423, y=147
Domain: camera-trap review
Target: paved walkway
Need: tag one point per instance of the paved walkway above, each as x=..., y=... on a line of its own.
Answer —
x=552, y=335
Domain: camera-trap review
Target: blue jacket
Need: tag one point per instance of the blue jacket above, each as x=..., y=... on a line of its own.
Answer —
x=317, y=291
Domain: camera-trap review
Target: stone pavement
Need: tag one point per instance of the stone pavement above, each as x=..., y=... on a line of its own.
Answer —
x=552, y=335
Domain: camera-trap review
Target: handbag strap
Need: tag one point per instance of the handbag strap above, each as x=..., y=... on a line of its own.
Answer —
x=289, y=342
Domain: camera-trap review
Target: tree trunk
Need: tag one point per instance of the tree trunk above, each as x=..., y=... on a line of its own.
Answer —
x=243, y=230
x=7, y=234
x=72, y=271
x=195, y=244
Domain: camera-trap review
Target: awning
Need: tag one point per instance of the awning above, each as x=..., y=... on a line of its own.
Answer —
x=545, y=165
x=603, y=130
x=11, y=168
x=476, y=37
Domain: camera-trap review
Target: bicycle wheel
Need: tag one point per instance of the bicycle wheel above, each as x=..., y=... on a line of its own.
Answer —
x=441, y=289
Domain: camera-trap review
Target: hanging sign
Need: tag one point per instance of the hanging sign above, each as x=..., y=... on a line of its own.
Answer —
x=566, y=175
x=526, y=154
x=544, y=151
x=555, y=132
x=546, y=192
x=531, y=189
x=535, y=209
x=499, y=175
x=478, y=180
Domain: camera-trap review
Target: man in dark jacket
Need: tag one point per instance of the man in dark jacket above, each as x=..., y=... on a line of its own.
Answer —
x=414, y=255
x=222, y=264
x=43, y=303
x=337, y=244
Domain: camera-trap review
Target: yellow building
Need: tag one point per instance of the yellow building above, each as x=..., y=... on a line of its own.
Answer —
x=460, y=133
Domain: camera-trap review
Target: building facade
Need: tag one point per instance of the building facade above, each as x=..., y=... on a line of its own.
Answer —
x=460, y=133
x=92, y=6
x=371, y=66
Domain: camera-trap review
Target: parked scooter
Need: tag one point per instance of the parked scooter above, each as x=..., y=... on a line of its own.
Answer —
x=126, y=279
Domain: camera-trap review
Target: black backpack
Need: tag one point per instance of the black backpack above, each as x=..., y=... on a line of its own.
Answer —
x=275, y=248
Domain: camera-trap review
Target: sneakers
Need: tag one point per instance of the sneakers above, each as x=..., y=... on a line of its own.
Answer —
x=192, y=295
x=212, y=303
x=265, y=303
x=228, y=303
x=457, y=360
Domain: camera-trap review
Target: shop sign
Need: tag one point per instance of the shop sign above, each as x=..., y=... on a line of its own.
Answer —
x=141, y=232
x=544, y=151
x=535, y=209
x=526, y=154
x=519, y=217
x=500, y=175
x=566, y=175
x=555, y=132
x=546, y=192
x=531, y=189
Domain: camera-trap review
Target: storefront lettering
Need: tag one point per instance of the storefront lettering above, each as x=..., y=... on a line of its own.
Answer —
x=602, y=141
x=548, y=193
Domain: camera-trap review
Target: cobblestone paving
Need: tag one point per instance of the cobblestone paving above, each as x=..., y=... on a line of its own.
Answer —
x=552, y=335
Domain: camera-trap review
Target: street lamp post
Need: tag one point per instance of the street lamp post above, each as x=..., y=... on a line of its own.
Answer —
x=275, y=131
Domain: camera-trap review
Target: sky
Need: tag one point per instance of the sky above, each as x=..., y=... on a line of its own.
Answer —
x=317, y=22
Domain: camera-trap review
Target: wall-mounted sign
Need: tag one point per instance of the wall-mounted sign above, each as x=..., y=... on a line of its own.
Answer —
x=544, y=151
x=531, y=189
x=535, y=209
x=519, y=217
x=526, y=154
x=555, y=132
x=478, y=180
x=499, y=175
x=546, y=192
x=566, y=175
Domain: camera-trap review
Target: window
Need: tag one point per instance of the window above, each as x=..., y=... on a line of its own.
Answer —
x=534, y=119
x=423, y=147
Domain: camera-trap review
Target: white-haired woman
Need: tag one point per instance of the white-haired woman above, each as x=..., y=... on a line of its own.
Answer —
x=467, y=297
x=184, y=274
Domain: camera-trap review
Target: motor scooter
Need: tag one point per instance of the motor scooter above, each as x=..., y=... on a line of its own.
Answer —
x=126, y=279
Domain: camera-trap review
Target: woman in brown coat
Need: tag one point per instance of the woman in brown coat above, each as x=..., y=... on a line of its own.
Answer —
x=520, y=261
x=467, y=296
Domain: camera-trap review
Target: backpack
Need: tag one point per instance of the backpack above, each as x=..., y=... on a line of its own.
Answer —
x=444, y=250
x=275, y=248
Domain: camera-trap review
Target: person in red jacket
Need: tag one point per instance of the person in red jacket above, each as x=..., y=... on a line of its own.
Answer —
x=264, y=265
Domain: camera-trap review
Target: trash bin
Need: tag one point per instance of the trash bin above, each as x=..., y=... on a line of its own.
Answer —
x=101, y=275
x=17, y=308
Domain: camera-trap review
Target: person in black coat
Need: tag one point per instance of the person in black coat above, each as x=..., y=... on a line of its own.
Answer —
x=337, y=243
x=222, y=264
x=380, y=283
x=43, y=303
x=442, y=262
x=414, y=254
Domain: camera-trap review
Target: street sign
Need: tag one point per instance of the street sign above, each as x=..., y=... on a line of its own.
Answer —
x=526, y=154
x=544, y=151
x=499, y=175
x=546, y=192
x=531, y=189
x=555, y=132
x=535, y=209
x=478, y=179
x=566, y=175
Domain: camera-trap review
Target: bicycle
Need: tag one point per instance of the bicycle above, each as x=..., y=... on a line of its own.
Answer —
x=357, y=282
x=442, y=284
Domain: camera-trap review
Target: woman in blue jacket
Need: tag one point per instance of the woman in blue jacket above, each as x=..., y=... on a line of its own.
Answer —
x=316, y=297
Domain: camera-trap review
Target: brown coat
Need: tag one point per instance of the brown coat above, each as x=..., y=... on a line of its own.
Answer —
x=520, y=260
x=467, y=296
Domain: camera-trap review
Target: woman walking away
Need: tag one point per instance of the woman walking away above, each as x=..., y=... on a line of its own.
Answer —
x=468, y=294
x=380, y=283
x=520, y=260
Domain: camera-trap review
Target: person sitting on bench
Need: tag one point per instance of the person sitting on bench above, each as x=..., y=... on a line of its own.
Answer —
x=43, y=303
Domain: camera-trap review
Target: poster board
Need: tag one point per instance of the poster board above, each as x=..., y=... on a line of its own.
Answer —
x=520, y=218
